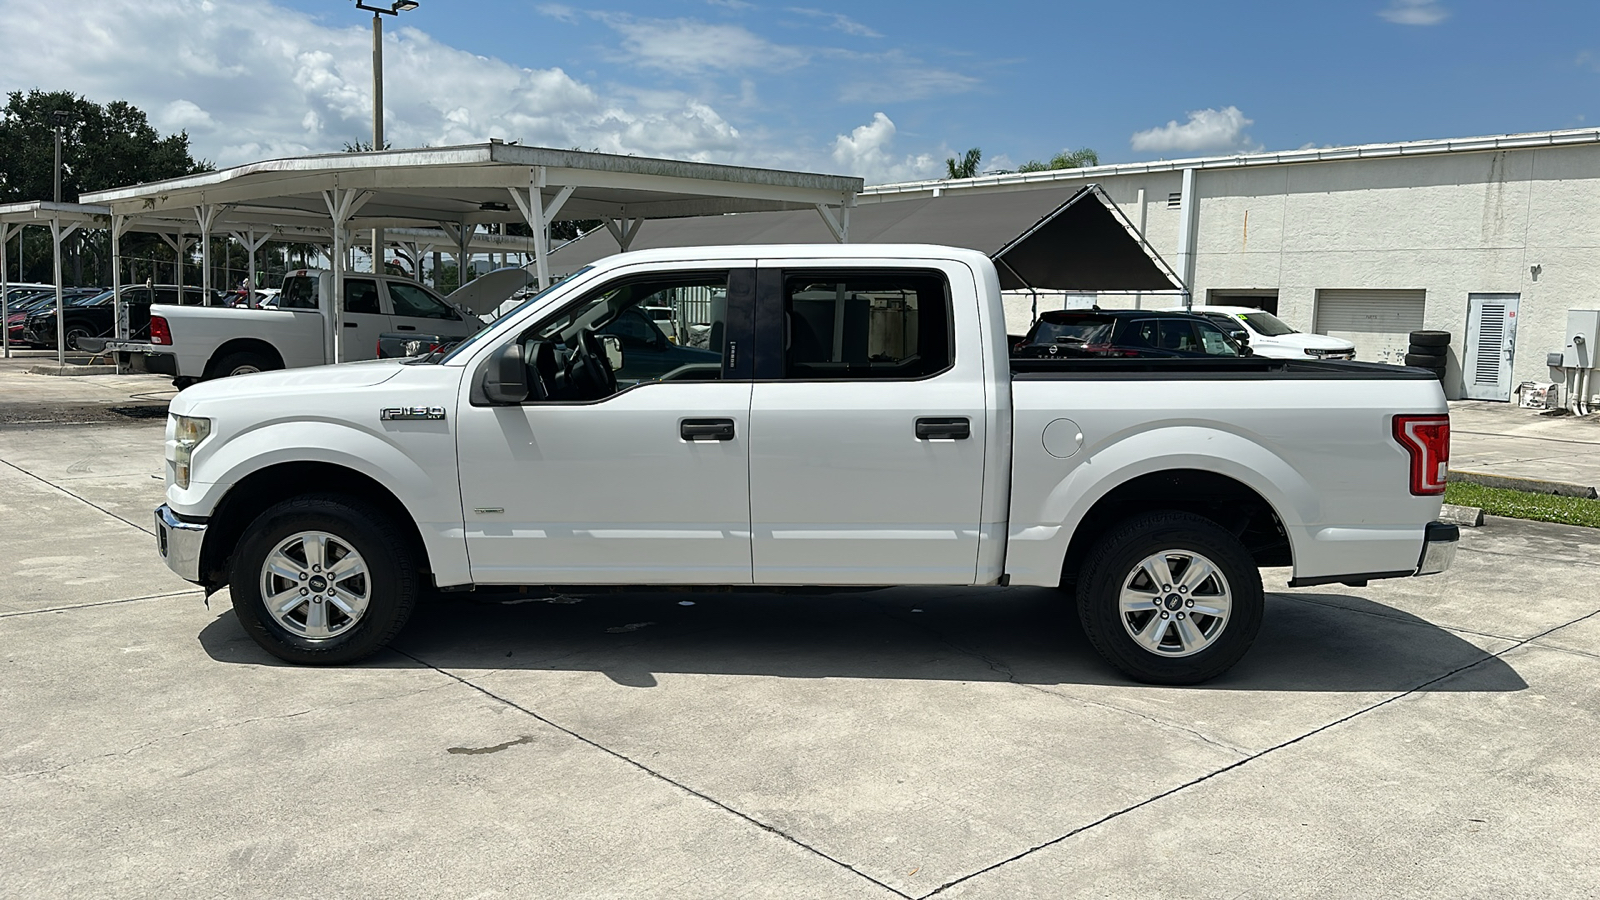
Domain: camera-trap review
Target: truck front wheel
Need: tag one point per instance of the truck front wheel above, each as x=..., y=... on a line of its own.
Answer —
x=323, y=580
x=1170, y=598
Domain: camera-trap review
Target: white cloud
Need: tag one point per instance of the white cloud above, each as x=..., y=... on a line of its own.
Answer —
x=895, y=77
x=689, y=46
x=1415, y=12
x=866, y=152
x=252, y=80
x=837, y=22
x=1207, y=129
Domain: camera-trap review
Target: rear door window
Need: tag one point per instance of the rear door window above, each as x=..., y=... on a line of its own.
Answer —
x=361, y=296
x=866, y=325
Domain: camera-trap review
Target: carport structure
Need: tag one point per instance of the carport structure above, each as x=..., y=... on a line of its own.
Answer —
x=458, y=189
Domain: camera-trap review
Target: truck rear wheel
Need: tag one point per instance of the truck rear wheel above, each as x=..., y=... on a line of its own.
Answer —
x=1170, y=598
x=242, y=363
x=323, y=580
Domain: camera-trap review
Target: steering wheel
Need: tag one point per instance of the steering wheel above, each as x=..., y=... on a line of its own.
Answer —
x=592, y=370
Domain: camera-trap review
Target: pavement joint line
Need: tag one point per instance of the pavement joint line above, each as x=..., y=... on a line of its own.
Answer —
x=1573, y=650
x=75, y=496
x=1564, y=562
x=1255, y=756
x=18, y=776
x=659, y=775
x=1002, y=668
x=35, y=612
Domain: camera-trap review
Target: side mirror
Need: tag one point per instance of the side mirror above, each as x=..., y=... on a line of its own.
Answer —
x=613, y=348
x=505, y=376
x=1241, y=337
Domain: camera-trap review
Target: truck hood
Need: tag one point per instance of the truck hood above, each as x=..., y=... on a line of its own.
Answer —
x=313, y=380
x=488, y=291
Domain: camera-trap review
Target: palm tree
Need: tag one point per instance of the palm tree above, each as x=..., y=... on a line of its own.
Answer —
x=967, y=167
x=1066, y=159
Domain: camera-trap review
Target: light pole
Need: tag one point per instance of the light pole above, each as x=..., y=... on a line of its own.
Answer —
x=378, y=12
x=60, y=116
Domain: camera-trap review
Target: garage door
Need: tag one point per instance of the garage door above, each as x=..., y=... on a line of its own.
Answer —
x=1379, y=323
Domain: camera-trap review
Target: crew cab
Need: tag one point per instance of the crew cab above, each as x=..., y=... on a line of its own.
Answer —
x=861, y=426
x=192, y=343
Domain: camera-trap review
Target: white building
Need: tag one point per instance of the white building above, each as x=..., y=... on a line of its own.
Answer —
x=1492, y=239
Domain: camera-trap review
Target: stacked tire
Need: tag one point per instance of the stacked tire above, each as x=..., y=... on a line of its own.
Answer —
x=1429, y=350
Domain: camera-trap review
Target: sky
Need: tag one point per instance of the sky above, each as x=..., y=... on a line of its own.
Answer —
x=885, y=91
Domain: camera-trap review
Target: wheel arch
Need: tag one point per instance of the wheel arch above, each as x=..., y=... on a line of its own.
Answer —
x=242, y=345
x=1231, y=504
x=264, y=487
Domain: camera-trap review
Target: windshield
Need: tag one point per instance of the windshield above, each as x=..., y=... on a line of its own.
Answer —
x=512, y=312
x=1076, y=331
x=1267, y=324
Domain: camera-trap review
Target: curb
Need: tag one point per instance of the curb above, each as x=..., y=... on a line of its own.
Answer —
x=73, y=370
x=1465, y=516
x=1529, y=485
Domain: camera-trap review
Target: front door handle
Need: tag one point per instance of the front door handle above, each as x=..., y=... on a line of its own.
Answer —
x=706, y=429
x=930, y=428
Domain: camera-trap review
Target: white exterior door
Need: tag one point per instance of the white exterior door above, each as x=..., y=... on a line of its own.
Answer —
x=1491, y=345
x=1378, y=322
x=867, y=439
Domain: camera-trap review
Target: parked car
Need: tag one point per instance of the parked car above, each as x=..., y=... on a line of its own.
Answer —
x=1270, y=336
x=42, y=302
x=1124, y=333
x=860, y=431
x=95, y=316
x=196, y=343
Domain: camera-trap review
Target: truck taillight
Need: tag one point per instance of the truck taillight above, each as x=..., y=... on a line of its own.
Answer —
x=159, y=332
x=1427, y=439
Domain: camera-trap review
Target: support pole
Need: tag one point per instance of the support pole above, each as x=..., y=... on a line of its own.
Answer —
x=342, y=204
x=539, y=215
x=1188, y=214
x=838, y=225
x=377, y=125
x=252, y=243
x=57, y=235
x=206, y=214
x=6, y=231
x=624, y=230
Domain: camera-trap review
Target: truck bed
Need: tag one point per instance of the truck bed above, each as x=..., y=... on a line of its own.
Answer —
x=1216, y=368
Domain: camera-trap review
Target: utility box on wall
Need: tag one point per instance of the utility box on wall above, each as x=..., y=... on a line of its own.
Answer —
x=1583, y=330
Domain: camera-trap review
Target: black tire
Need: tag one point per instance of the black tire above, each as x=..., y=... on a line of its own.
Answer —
x=74, y=332
x=1425, y=360
x=391, y=580
x=1438, y=371
x=1430, y=338
x=242, y=362
x=184, y=382
x=1116, y=561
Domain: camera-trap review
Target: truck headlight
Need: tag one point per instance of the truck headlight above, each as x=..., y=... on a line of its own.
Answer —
x=187, y=433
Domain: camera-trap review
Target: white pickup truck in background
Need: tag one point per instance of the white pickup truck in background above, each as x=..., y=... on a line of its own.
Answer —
x=193, y=343
x=858, y=423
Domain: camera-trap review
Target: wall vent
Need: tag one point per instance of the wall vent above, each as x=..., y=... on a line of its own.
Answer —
x=1175, y=200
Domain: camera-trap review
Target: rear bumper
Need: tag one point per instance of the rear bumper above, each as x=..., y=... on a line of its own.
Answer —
x=1438, y=548
x=179, y=542
x=1439, y=542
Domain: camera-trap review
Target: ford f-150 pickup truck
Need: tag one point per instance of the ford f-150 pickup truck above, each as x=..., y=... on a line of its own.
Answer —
x=860, y=425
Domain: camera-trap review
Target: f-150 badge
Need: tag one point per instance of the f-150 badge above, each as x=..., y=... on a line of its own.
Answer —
x=411, y=412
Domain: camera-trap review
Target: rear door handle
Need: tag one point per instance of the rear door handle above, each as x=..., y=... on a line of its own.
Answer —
x=706, y=429
x=405, y=328
x=352, y=325
x=946, y=427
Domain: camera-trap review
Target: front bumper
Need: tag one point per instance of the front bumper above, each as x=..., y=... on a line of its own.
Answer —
x=1439, y=544
x=179, y=542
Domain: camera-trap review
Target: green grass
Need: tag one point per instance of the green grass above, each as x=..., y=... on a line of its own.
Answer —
x=1523, y=505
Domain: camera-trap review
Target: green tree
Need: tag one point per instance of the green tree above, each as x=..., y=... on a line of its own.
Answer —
x=967, y=167
x=1066, y=159
x=104, y=147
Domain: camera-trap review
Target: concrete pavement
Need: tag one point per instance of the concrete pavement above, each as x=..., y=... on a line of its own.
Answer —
x=1417, y=737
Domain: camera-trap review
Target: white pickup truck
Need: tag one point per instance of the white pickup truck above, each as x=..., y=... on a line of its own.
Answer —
x=860, y=425
x=193, y=343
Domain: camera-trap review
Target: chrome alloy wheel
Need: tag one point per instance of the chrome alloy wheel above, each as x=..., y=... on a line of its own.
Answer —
x=1175, y=603
x=315, y=585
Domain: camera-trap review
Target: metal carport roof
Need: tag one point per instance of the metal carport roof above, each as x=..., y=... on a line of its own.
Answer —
x=1069, y=239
